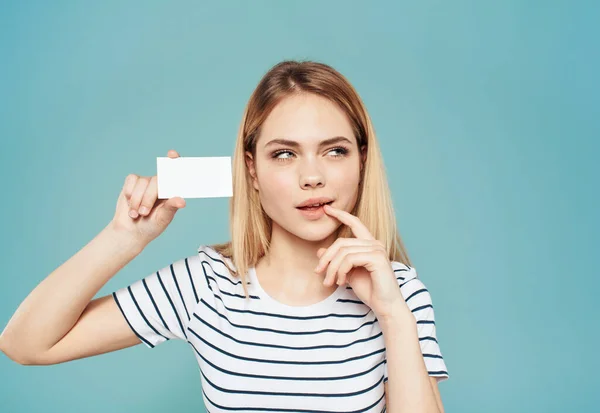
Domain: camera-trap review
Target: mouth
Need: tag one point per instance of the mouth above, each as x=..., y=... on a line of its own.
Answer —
x=314, y=207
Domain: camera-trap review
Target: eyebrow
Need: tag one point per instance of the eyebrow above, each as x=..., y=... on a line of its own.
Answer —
x=294, y=144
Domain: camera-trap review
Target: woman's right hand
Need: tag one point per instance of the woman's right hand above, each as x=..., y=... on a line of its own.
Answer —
x=141, y=192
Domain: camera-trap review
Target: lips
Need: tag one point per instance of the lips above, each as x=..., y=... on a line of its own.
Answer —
x=315, y=202
x=315, y=206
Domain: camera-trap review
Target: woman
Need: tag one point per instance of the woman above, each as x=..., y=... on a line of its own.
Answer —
x=308, y=307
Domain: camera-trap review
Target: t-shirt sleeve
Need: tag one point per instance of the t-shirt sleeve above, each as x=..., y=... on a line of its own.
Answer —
x=418, y=299
x=159, y=306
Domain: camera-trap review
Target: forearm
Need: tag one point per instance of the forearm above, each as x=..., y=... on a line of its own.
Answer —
x=409, y=387
x=55, y=305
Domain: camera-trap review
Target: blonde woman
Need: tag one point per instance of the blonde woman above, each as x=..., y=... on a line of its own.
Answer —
x=313, y=305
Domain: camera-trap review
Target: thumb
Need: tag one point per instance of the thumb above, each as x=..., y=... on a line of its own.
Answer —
x=171, y=206
x=175, y=203
x=321, y=251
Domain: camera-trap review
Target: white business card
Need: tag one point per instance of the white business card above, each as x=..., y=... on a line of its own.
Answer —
x=194, y=177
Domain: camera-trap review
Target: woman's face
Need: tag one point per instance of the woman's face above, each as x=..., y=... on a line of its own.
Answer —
x=293, y=164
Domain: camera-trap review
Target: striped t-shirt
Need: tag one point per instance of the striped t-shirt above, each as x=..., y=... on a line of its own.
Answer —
x=263, y=355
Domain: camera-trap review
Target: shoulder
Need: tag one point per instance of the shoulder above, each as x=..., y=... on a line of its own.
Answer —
x=211, y=257
x=413, y=289
x=404, y=273
x=215, y=266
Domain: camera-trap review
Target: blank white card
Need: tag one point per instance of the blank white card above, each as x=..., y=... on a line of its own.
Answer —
x=194, y=177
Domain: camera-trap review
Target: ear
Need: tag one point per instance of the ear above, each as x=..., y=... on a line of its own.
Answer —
x=252, y=169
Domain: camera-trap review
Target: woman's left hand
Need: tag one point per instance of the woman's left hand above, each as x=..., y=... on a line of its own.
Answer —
x=363, y=263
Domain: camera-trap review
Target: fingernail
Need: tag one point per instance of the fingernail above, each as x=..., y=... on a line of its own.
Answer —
x=133, y=213
x=143, y=210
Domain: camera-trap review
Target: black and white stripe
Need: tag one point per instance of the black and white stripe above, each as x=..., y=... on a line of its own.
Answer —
x=257, y=355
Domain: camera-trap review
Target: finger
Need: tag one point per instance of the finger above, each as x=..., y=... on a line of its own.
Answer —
x=333, y=249
x=334, y=266
x=353, y=260
x=358, y=228
x=172, y=153
x=130, y=181
x=343, y=269
x=136, y=196
x=149, y=197
x=329, y=253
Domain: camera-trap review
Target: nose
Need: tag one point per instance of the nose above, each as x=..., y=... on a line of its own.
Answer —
x=313, y=181
x=311, y=176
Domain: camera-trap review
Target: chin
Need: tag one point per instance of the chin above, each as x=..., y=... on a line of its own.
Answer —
x=314, y=237
x=306, y=230
x=315, y=233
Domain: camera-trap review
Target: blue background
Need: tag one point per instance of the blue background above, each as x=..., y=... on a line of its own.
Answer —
x=487, y=114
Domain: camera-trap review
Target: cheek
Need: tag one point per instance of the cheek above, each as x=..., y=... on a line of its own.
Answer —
x=346, y=186
x=346, y=179
x=276, y=190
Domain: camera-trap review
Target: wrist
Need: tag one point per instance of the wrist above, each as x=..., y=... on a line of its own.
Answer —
x=124, y=240
x=398, y=315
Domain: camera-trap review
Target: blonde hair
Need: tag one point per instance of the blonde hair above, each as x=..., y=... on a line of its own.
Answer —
x=250, y=226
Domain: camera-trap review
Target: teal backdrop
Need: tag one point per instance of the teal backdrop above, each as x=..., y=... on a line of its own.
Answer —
x=487, y=114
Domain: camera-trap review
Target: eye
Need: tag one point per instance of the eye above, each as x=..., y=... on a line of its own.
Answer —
x=276, y=155
x=343, y=151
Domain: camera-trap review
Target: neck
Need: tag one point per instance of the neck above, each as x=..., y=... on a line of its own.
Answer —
x=290, y=262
